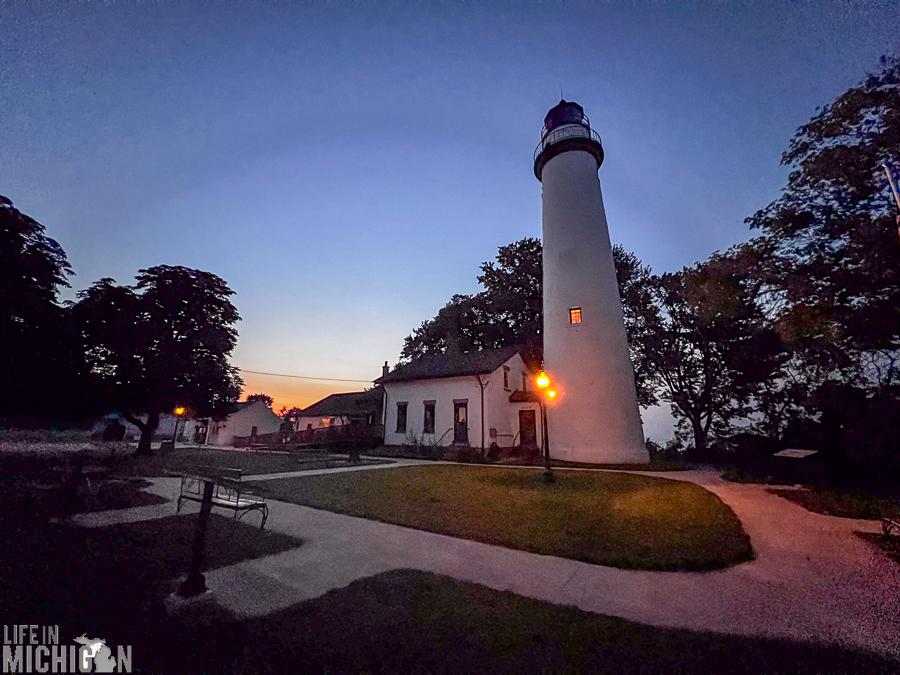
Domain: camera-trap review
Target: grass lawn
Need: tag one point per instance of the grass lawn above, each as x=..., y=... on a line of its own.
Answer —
x=20, y=458
x=613, y=519
x=842, y=503
x=110, y=583
x=180, y=460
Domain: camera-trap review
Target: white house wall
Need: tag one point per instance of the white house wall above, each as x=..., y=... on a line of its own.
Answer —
x=500, y=414
x=241, y=423
x=443, y=391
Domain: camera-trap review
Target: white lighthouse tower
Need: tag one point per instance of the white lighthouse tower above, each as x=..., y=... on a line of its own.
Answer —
x=594, y=417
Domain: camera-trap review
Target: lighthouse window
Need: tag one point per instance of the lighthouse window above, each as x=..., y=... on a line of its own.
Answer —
x=575, y=315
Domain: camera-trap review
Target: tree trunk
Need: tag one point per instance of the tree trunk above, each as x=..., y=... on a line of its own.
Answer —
x=149, y=428
x=700, y=435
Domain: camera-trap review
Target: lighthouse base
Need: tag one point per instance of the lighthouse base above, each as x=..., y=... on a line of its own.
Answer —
x=597, y=455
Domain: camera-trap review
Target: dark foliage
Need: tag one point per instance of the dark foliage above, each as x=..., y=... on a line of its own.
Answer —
x=39, y=368
x=161, y=343
x=265, y=398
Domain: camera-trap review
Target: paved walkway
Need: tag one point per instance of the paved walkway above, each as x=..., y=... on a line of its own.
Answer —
x=813, y=579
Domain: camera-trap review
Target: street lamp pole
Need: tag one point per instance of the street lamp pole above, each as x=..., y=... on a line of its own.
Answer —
x=543, y=384
x=179, y=411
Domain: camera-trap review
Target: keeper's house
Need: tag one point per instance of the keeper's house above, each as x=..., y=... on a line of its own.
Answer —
x=473, y=399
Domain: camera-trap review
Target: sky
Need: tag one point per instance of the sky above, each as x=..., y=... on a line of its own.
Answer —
x=347, y=166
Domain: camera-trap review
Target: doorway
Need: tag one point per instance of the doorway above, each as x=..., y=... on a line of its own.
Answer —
x=461, y=422
x=527, y=429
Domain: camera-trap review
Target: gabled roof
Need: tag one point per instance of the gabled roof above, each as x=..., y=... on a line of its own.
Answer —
x=519, y=396
x=450, y=365
x=355, y=403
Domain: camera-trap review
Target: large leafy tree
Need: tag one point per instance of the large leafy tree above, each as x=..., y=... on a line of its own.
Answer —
x=833, y=268
x=709, y=347
x=161, y=343
x=36, y=366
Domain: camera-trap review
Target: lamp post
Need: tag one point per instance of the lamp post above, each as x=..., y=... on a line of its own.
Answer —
x=543, y=384
x=179, y=411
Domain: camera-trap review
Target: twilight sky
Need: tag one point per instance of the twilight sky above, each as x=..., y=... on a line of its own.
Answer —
x=346, y=167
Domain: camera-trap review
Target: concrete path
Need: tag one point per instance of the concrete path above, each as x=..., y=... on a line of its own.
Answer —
x=813, y=579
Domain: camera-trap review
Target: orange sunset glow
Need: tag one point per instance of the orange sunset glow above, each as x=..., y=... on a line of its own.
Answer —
x=292, y=392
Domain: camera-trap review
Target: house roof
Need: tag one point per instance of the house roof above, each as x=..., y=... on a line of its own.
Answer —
x=519, y=396
x=450, y=365
x=346, y=405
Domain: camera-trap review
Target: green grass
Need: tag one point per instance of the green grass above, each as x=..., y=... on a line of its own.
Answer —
x=842, y=503
x=613, y=519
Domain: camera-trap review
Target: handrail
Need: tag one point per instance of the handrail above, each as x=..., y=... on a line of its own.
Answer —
x=565, y=132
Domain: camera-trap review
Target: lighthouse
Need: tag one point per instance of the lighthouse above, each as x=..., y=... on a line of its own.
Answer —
x=594, y=417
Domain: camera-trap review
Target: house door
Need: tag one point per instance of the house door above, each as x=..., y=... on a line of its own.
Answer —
x=460, y=422
x=527, y=429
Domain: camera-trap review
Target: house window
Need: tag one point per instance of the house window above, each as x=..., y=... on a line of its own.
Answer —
x=428, y=423
x=326, y=422
x=506, y=378
x=253, y=431
x=575, y=315
x=401, y=418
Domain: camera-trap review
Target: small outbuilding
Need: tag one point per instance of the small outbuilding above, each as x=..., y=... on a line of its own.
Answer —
x=356, y=408
x=247, y=419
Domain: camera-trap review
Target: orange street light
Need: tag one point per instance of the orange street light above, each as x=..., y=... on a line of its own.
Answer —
x=543, y=383
x=179, y=411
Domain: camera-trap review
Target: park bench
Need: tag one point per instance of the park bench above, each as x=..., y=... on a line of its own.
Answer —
x=228, y=492
x=890, y=526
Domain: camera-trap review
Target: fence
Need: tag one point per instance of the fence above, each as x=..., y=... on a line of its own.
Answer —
x=357, y=434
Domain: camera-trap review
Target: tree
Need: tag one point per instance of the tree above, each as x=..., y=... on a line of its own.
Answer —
x=833, y=271
x=640, y=315
x=37, y=365
x=161, y=343
x=265, y=398
x=708, y=347
x=509, y=311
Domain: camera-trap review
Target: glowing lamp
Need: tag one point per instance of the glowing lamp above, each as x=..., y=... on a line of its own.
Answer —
x=551, y=393
x=542, y=380
x=179, y=411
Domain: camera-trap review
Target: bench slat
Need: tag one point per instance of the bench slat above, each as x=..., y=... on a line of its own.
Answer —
x=228, y=491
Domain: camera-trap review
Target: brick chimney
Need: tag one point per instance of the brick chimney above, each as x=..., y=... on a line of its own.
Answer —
x=384, y=369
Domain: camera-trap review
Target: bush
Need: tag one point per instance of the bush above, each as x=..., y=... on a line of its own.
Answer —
x=493, y=453
x=748, y=452
x=468, y=455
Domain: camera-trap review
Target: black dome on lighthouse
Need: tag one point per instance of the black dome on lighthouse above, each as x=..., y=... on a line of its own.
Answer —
x=565, y=112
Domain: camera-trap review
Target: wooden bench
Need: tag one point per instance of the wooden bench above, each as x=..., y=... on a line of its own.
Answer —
x=228, y=492
x=890, y=527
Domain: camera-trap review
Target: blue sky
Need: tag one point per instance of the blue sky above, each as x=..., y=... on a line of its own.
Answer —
x=347, y=166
